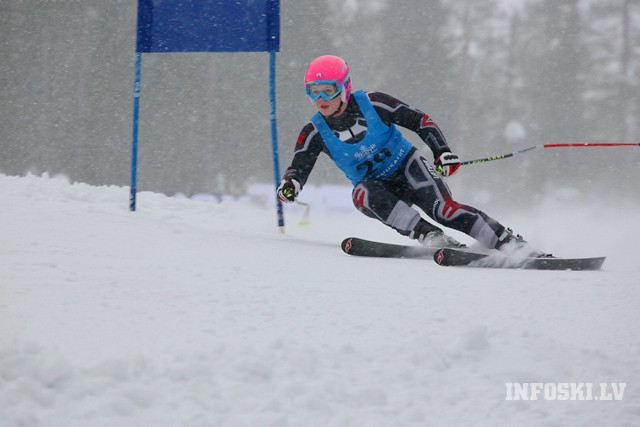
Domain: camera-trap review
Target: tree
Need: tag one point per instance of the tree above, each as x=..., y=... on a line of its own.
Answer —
x=553, y=57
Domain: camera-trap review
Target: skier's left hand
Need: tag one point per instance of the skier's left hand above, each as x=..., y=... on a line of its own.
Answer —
x=447, y=163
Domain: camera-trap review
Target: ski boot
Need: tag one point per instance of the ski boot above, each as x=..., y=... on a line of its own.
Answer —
x=514, y=244
x=431, y=236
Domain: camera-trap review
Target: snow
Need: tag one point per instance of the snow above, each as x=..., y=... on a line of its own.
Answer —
x=193, y=313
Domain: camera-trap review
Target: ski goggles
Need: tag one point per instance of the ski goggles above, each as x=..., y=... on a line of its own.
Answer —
x=327, y=89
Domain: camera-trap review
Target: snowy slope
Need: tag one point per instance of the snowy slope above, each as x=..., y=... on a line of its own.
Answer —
x=189, y=313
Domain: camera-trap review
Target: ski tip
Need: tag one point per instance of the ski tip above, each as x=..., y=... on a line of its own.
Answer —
x=438, y=257
x=346, y=245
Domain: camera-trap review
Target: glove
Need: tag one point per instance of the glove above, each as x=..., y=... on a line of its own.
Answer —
x=447, y=163
x=288, y=190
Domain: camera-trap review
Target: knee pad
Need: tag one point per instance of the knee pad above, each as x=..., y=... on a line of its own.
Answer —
x=360, y=198
x=374, y=200
x=450, y=209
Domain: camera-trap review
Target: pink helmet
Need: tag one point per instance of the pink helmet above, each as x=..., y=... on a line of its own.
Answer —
x=329, y=69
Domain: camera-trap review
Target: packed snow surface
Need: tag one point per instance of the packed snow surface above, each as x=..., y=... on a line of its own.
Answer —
x=193, y=313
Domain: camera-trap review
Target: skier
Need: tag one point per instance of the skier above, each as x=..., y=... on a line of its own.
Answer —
x=358, y=131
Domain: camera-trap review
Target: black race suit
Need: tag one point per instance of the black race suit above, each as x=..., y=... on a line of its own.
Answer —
x=415, y=182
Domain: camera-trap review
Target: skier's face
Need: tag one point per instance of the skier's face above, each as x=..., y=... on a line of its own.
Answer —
x=327, y=107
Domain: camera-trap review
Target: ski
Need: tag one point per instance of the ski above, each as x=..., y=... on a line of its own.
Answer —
x=368, y=248
x=464, y=257
x=454, y=257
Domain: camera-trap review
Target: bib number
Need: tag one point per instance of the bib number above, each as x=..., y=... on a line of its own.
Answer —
x=378, y=158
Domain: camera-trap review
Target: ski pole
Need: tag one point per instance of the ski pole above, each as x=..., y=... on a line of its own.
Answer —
x=305, y=220
x=572, y=144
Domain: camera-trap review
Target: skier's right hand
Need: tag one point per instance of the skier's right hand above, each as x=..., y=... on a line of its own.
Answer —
x=288, y=190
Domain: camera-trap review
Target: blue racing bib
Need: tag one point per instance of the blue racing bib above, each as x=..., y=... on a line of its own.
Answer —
x=376, y=156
